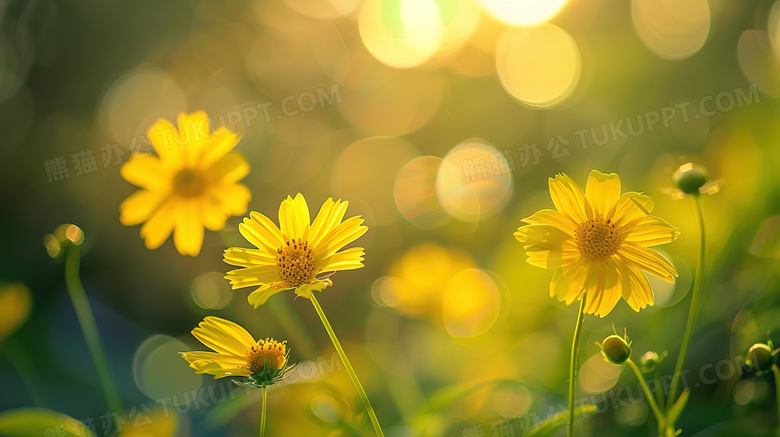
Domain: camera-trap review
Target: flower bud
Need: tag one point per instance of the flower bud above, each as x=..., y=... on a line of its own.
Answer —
x=760, y=358
x=616, y=349
x=64, y=237
x=649, y=361
x=690, y=177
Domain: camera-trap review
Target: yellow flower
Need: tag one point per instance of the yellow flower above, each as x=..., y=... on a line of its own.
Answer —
x=189, y=185
x=297, y=255
x=600, y=243
x=237, y=353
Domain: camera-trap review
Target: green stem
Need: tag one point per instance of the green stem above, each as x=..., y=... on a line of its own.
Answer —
x=87, y=321
x=574, y=365
x=659, y=416
x=25, y=366
x=350, y=371
x=776, y=371
x=694, y=310
x=262, y=414
x=659, y=394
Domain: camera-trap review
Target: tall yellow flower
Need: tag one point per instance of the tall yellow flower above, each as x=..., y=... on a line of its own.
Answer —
x=189, y=185
x=599, y=241
x=297, y=255
x=237, y=353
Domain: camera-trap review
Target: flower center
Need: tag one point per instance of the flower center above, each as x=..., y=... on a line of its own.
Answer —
x=598, y=238
x=267, y=354
x=296, y=263
x=189, y=183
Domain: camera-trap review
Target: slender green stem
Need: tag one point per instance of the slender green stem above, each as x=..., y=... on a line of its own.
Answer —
x=350, y=371
x=659, y=394
x=574, y=366
x=89, y=328
x=25, y=366
x=776, y=371
x=694, y=310
x=262, y=414
x=659, y=416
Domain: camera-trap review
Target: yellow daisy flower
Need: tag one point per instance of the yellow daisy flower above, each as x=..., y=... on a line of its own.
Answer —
x=296, y=255
x=599, y=241
x=189, y=185
x=237, y=353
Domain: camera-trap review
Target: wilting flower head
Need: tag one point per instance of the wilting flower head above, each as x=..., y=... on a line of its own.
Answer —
x=599, y=241
x=189, y=185
x=299, y=254
x=263, y=362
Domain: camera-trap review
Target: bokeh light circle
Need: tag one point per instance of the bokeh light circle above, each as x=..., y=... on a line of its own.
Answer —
x=598, y=375
x=523, y=12
x=161, y=373
x=467, y=184
x=672, y=29
x=415, y=193
x=211, y=291
x=471, y=303
x=539, y=66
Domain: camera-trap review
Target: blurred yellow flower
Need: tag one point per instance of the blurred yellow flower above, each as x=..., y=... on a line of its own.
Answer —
x=189, y=185
x=237, y=353
x=297, y=255
x=599, y=242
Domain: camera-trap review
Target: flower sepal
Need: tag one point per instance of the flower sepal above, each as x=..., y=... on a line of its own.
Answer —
x=616, y=349
x=267, y=377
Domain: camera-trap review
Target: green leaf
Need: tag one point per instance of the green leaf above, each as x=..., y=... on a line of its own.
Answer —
x=557, y=420
x=36, y=422
x=677, y=409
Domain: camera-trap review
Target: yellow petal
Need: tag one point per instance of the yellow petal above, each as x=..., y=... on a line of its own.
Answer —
x=330, y=215
x=305, y=290
x=652, y=231
x=233, y=198
x=294, y=217
x=162, y=134
x=223, y=360
x=648, y=260
x=349, y=259
x=146, y=171
x=262, y=294
x=223, y=336
x=139, y=206
x=636, y=288
x=602, y=192
x=569, y=282
x=188, y=235
x=222, y=141
x=237, y=256
x=260, y=231
x=601, y=297
x=160, y=225
x=194, y=134
x=630, y=209
x=552, y=218
x=547, y=246
x=569, y=198
x=253, y=276
x=228, y=169
x=343, y=234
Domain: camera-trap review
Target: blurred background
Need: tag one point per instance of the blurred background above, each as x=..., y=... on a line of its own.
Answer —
x=440, y=122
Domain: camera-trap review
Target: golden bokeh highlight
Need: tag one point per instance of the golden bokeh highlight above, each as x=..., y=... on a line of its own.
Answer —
x=419, y=278
x=210, y=291
x=759, y=62
x=471, y=303
x=597, y=375
x=323, y=9
x=524, y=13
x=136, y=100
x=672, y=29
x=465, y=191
x=365, y=171
x=415, y=193
x=538, y=66
x=401, y=33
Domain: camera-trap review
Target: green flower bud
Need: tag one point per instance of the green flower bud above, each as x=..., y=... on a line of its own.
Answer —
x=690, y=177
x=760, y=358
x=64, y=237
x=649, y=361
x=616, y=349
